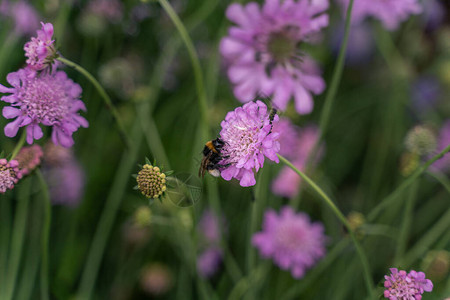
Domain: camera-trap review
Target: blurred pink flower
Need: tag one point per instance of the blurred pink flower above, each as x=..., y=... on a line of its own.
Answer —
x=29, y=158
x=291, y=240
x=297, y=149
x=25, y=17
x=263, y=53
x=390, y=12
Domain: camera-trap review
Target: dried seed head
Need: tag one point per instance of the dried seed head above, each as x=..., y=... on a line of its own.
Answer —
x=151, y=181
x=421, y=140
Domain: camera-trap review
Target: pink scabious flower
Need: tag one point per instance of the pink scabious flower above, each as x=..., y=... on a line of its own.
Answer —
x=443, y=164
x=263, y=51
x=64, y=175
x=406, y=286
x=25, y=17
x=296, y=148
x=41, y=50
x=291, y=240
x=9, y=174
x=390, y=12
x=248, y=137
x=50, y=99
x=29, y=158
x=210, y=258
x=209, y=261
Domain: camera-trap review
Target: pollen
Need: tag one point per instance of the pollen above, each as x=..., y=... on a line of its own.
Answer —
x=151, y=181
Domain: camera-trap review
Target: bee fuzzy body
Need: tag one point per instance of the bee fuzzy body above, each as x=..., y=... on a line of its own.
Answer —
x=211, y=158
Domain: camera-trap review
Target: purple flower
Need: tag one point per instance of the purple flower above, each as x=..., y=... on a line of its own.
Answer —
x=433, y=14
x=41, y=50
x=390, y=12
x=247, y=133
x=48, y=99
x=111, y=10
x=297, y=148
x=263, y=51
x=208, y=262
x=291, y=240
x=29, y=158
x=425, y=92
x=406, y=286
x=25, y=17
x=209, y=229
x=65, y=181
x=360, y=45
x=9, y=174
x=443, y=164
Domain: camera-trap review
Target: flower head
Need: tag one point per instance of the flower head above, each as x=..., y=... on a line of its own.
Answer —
x=208, y=262
x=210, y=229
x=65, y=183
x=25, y=17
x=297, y=148
x=406, y=286
x=151, y=181
x=248, y=137
x=420, y=140
x=291, y=240
x=390, y=12
x=9, y=174
x=156, y=279
x=41, y=50
x=48, y=99
x=29, y=158
x=263, y=51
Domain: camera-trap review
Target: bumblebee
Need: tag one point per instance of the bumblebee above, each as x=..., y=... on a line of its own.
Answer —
x=211, y=158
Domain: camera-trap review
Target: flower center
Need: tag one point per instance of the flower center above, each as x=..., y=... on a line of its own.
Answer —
x=281, y=46
x=290, y=237
x=43, y=99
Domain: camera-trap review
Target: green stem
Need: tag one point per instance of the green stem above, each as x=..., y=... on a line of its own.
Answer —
x=202, y=99
x=243, y=285
x=406, y=224
x=341, y=217
x=441, y=178
x=386, y=202
x=103, y=94
x=5, y=232
x=45, y=236
x=108, y=216
x=424, y=244
x=19, y=145
x=337, y=74
x=18, y=237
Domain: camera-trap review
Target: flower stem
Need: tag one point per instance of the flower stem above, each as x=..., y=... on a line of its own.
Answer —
x=406, y=224
x=199, y=84
x=337, y=74
x=103, y=94
x=19, y=145
x=397, y=192
x=341, y=217
x=19, y=227
x=108, y=216
x=45, y=236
